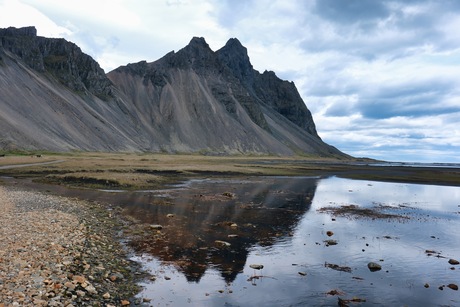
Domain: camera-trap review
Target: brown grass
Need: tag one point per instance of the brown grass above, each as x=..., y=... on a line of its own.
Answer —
x=134, y=170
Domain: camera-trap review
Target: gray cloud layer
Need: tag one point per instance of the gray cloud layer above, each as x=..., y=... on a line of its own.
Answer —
x=382, y=78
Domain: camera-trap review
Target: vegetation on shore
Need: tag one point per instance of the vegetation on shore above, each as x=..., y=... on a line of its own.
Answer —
x=130, y=171
x=139, y=171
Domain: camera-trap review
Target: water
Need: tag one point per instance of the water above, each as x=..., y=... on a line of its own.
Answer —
x=416, y=164
x=279, y=226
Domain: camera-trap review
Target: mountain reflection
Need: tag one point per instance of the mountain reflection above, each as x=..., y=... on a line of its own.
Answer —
x=214, y=223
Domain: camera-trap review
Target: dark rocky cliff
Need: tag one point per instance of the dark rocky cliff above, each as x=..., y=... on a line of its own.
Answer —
x=192, y=100
x=267, y=88
x=62, y=59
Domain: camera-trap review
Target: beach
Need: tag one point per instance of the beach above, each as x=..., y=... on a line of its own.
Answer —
x=57, y=251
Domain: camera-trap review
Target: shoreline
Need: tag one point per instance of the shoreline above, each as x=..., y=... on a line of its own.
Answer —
x=58, y=251
x=129, y=171
x=87, y=262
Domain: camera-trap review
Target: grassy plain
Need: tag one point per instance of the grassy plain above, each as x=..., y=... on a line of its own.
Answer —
x=134, y=171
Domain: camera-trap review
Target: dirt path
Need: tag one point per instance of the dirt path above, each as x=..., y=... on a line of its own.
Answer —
x=29, y=164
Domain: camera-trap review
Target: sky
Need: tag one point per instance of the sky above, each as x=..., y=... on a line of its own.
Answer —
x=381, y=78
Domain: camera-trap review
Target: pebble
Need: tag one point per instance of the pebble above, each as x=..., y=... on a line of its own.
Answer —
x=374, y=266
x=256, y=266
x=453, y=262
x=91, y=289
x=453, y=287
x=330, y=242
x=222, y=243
x=156, y=227
x=116, y=277
x=51, y=250
x=79, y=279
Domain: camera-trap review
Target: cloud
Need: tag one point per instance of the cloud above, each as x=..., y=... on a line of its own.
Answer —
x=423, y=139
x=352, y=11
x=371, y=29
x=382, y=78
x=14, y=13
x=413, y=99
x=132, y=31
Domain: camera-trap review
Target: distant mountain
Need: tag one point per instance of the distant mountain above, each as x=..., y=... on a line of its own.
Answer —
x=55, y=97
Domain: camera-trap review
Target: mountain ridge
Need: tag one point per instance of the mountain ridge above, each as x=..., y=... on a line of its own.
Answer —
x=195, y=100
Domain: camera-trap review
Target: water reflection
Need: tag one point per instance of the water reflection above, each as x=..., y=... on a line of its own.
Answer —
x=278, y=225
x=214, y=223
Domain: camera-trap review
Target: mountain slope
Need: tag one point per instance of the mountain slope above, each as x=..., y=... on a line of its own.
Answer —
x=43, y=107
x=197, y=92
x=55, y=97
x=267, y=88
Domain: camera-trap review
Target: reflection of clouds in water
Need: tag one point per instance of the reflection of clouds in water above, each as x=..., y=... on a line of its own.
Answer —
x=368, y=193
x=179, y=288
x=401, y=245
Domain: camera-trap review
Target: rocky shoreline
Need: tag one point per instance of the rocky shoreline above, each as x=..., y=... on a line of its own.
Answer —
x=58, y=251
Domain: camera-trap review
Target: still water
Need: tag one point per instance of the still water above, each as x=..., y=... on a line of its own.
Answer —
x=213, y=230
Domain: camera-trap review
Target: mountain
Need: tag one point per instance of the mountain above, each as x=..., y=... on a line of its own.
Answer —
x=55, y=97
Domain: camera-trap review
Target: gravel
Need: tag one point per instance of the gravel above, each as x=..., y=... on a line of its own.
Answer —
x=57, y=251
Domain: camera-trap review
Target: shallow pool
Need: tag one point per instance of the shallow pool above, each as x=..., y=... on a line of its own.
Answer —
x=213, y=230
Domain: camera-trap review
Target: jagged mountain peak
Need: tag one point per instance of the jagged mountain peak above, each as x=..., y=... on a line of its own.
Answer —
x=198, y=47
x=192, y=100
x=198, y=42
x=235, y=56
x=234, y=46
x=234, y=42
x=197, y=55
x=251, y=88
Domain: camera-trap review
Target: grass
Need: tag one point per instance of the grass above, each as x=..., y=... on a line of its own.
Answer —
x=142, y=170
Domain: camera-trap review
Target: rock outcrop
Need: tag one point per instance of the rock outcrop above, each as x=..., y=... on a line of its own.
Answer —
x=55, y=97
x=62, y=59
x=267, y=88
